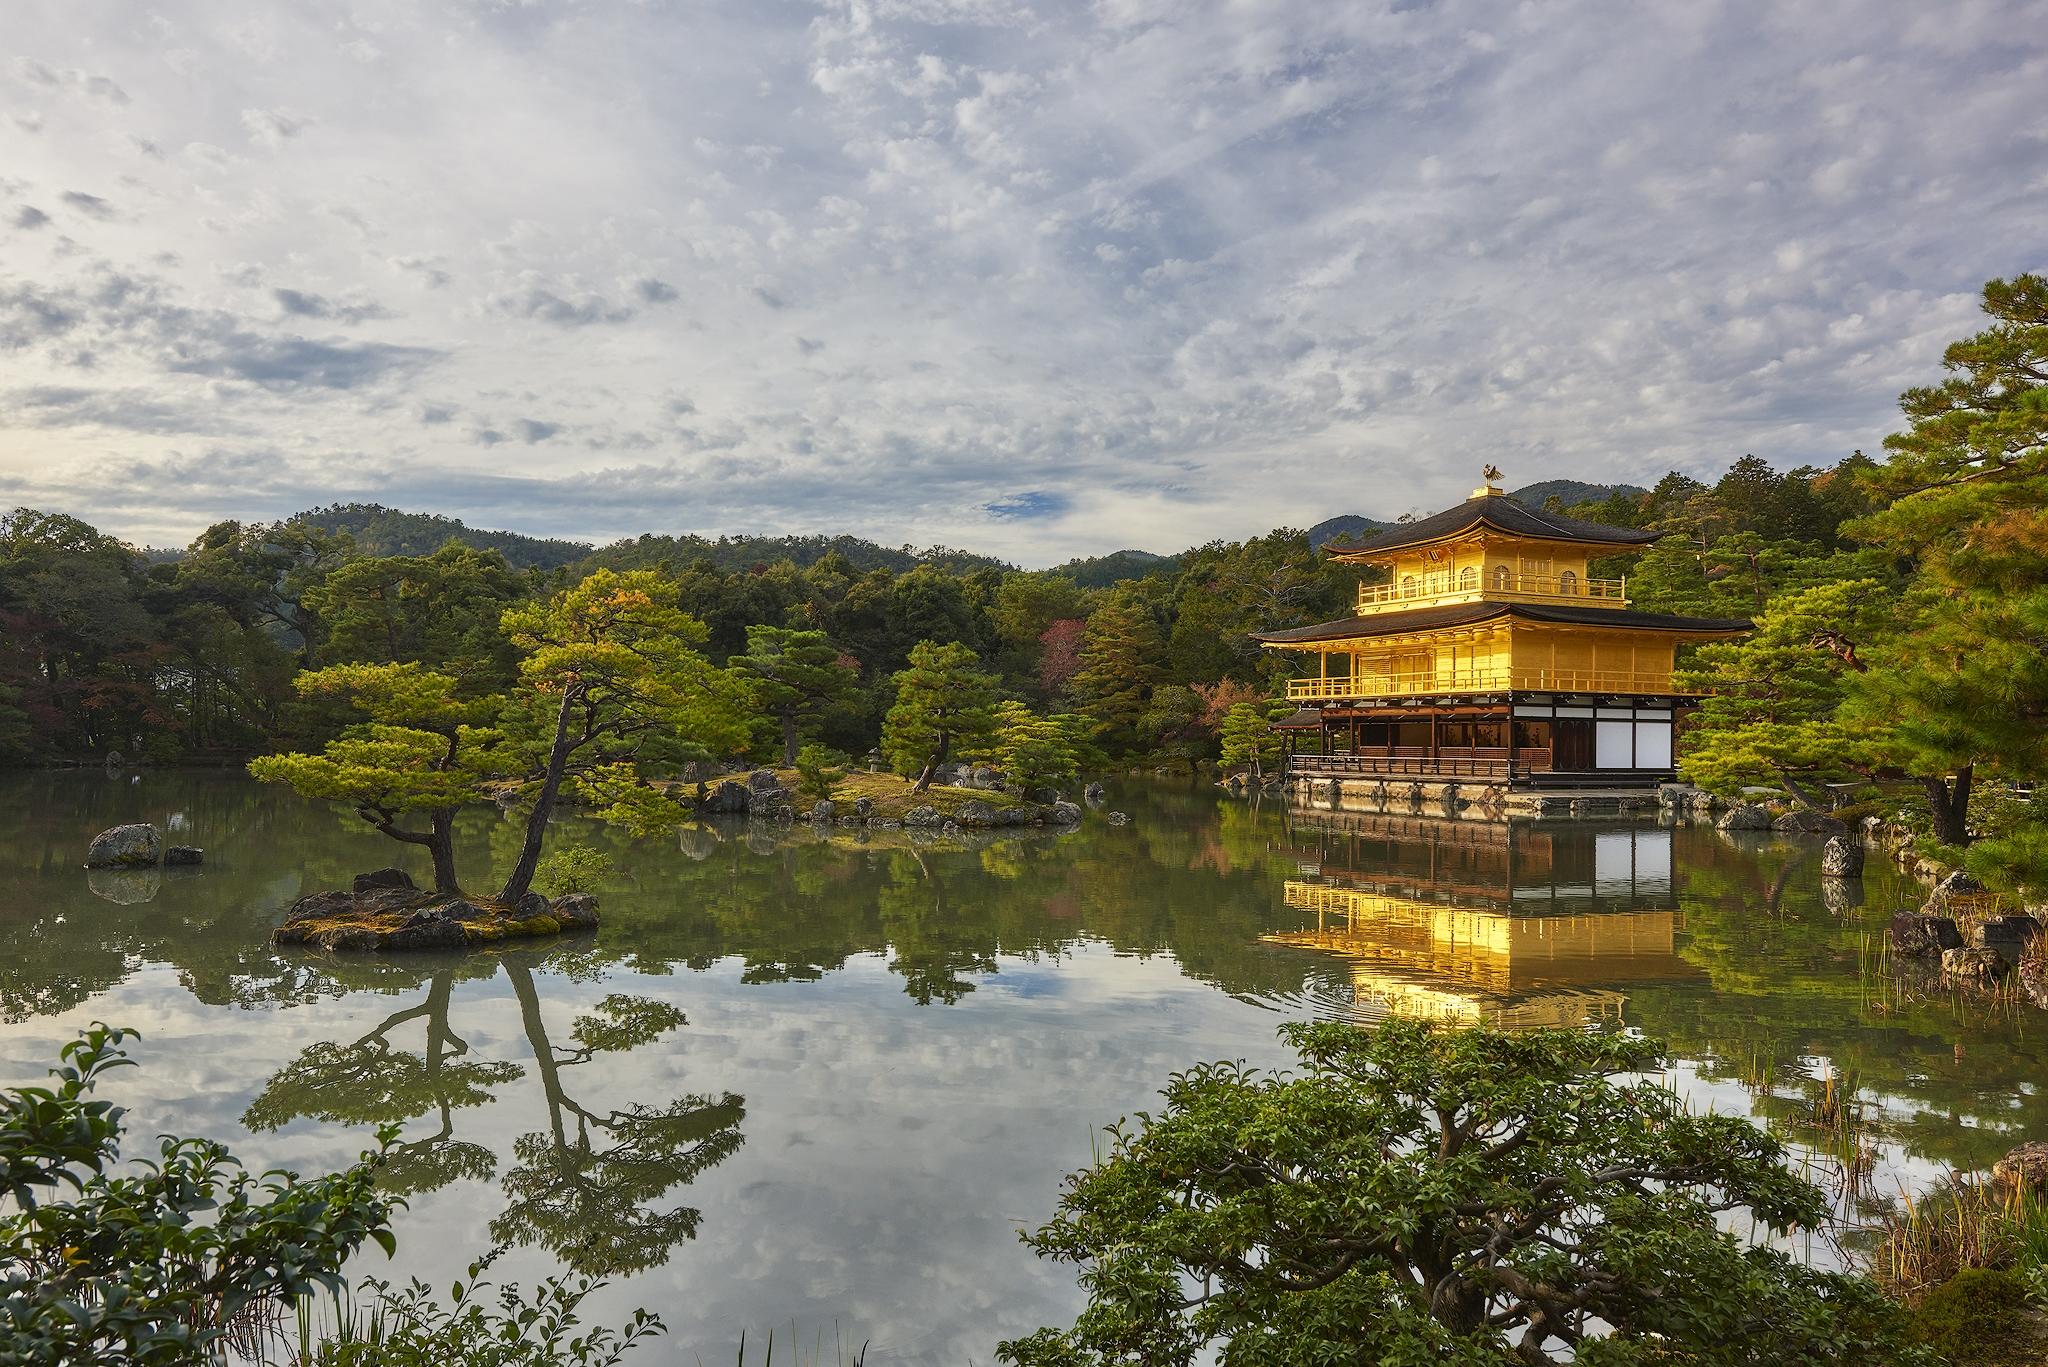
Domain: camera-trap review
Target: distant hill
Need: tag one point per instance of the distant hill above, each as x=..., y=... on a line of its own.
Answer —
x=1347, y=527
x=730, y=553
x=1100, y=571
x=379, y=530
x=1570, y=492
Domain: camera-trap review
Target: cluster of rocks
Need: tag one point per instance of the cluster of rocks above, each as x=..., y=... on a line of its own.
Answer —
x=138, y=846
x=383, y=910
x=1755, y=816
x=1993, y=948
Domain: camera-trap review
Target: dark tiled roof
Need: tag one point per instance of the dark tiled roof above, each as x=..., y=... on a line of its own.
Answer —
x=1503, y=514
x=1304, y=719
x=1464, y=614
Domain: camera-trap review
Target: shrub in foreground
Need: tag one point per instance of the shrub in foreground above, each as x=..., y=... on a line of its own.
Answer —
x=1413, y=1195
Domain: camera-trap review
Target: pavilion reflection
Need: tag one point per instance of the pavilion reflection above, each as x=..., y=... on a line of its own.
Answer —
x=1486, y=923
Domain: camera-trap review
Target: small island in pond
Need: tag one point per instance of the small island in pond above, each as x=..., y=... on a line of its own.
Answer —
x=385, y=911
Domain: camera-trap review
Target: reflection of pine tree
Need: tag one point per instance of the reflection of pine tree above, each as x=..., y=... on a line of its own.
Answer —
x=370, y=1082
x=585, y=1187
x=932, y=941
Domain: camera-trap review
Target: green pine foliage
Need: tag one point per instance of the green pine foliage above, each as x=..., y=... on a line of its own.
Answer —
x=944, y=710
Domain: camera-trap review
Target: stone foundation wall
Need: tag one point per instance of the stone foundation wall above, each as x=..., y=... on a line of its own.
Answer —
x=1468, y=799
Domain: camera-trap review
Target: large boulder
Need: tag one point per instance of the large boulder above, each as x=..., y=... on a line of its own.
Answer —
x=1094, y=795
x=183, y=856
x=863, y=807
x=1973, y=965
x=126, y=847
x=1841, y=857
x=428, y=928
x=2023, y=1169
x=1955, y=884
x=1803, y=822
x=1746, y=816
x=1917, y=935
x=2008, y=933
x=923, y=818
x=375, y=901
x=975, y=812
x=320, y=904
x=577, y=911
x=727, y=799
x=824, y=809
x=763, y=781
x=381, y=878
x=1066, y=814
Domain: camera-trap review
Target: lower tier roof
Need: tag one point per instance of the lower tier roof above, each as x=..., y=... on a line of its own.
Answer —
x=1469, y=614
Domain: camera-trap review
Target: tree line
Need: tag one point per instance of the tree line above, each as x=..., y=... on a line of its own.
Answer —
x=1901, y=603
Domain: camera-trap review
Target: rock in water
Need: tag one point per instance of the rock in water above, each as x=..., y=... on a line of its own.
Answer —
x=2009, y=933
x=126, y=847
x=382, y=878
x=727, y=799
x=578, y=909
x=1842, y=857
x=1094, y=795
x=974, y=812
x=923, y=817
x=1973, y=965
x=823, y=809
x=1956, y=884
x=1748, y=816
x=1066, y=814
x=1118, y=818
x=1917, y=935
x=533, y=904
x=185, y=855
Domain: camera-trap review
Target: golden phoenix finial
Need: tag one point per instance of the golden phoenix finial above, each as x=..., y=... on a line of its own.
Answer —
x=1491, y=473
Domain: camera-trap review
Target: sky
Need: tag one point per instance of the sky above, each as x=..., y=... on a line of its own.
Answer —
x=1033, y=279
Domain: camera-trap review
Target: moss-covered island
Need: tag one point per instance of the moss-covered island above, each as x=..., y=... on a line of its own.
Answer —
x=384, y=911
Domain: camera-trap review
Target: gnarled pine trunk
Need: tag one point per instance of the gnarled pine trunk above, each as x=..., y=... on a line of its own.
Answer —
x=543, y=805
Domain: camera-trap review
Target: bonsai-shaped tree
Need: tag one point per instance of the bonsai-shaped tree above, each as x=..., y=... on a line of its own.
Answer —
x=793, y=675
x=612, y=691
x=1247, y=738
x=1033, y=751
x=422, y=752
x=819, y=772
x=943, y=702
x=1419, y=1195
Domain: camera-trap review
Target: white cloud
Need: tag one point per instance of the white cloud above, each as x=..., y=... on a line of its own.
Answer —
x=1192, y=270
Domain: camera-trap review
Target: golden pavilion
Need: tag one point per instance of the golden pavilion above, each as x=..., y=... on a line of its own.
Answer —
x=1491, y=654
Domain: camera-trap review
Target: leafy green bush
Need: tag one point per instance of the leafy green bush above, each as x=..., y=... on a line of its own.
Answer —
x=818, y=772
x=163, y=1262
x=1417, y=1195
x=572, y=868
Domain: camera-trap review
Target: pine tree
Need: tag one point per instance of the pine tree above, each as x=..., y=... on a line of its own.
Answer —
x=944, y=703
x=1120, y=651
x=794, y=675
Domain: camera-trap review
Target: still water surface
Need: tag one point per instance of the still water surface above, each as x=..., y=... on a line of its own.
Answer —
x=823, y=1082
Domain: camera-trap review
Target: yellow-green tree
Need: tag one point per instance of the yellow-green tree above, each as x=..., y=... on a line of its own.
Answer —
x=612, y=693
x=419, y=754
x=1120, y=653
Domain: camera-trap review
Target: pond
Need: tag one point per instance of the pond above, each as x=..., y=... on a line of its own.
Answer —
x=820, y=1083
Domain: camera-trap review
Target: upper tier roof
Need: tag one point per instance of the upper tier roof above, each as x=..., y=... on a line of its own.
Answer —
x=1499, y=513
x=1466, y=614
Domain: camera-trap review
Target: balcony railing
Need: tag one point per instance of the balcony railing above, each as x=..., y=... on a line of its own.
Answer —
x=1483, y=681
x=1433, y=589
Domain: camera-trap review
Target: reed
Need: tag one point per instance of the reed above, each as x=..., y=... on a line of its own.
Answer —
x=1927, y=1239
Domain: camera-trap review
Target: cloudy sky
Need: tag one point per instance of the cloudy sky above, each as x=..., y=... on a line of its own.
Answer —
x=1033, y=278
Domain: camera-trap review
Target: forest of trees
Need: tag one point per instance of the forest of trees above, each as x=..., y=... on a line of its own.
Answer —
x=1902, y=610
